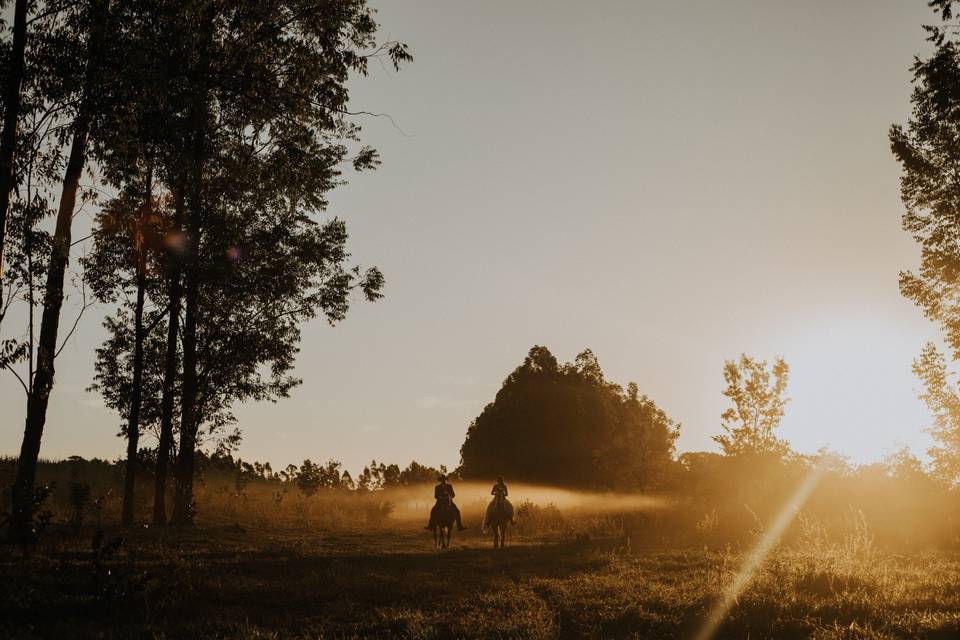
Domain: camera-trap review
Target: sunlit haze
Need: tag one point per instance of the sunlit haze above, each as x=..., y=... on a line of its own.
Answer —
x=667, y=183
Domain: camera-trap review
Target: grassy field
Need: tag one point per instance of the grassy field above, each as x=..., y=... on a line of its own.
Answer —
x=233, y=582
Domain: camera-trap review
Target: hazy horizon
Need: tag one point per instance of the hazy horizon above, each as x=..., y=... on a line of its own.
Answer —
x=668, y=184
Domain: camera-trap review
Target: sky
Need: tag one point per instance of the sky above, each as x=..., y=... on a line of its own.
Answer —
x=669, y=184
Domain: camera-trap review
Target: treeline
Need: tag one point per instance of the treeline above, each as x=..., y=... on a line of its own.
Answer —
x=205, y=135
x=310, y=477
x=77, y=491
x=566, y=425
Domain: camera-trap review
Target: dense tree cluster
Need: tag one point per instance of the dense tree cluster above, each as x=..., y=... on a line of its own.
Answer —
x=212, y=132
x=565, y=424
x=928, y=149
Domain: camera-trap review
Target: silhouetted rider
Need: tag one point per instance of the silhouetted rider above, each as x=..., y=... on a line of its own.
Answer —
x=499, y=492
x=443, y=493
x=500, y=488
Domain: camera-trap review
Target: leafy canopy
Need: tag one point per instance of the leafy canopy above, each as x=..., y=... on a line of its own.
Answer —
x=567, y=425
x=758, y=394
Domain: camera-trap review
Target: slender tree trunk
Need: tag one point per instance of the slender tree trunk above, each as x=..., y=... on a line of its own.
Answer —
x=133, y=419
x=189, y=415
x=169, y=379
x=136, y=390
x=11, y=113
x=21, y=515
x=183, y=492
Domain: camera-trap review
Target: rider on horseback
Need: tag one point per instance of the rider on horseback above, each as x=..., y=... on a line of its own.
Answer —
x=443, y=493
x=499, y=493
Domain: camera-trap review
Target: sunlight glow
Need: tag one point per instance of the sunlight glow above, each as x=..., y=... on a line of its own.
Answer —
x=759, y=553
x=472, y=497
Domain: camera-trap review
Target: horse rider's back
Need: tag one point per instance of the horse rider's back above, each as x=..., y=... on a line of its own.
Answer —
x=443, y=490
x=444, y=494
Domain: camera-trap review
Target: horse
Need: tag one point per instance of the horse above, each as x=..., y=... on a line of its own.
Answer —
x=498, y=517
x=442, y=518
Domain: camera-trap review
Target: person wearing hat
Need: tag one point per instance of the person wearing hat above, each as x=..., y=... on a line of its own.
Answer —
x=444, y=491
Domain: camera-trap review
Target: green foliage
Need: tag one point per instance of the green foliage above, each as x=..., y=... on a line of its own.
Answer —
x=377, y=476
x=113, y=368
x=928, y=149
x=758, y=395
x=566, y=425
x=942, y=397
x=311, y=477
x=240, y=110
x=419, y=474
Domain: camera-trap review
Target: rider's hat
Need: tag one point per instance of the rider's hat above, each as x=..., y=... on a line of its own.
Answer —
x=441, y=477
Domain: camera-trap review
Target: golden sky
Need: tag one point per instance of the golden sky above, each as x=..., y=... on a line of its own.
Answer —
x=670, y=184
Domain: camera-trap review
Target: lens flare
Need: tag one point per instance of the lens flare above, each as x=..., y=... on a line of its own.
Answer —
x=755, y=558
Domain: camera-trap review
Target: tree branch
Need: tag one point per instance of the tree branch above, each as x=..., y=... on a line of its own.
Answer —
x=153, y=325
x=86, y=305
x=19, y=379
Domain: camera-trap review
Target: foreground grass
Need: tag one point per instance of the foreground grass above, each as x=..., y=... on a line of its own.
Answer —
x=230, y=582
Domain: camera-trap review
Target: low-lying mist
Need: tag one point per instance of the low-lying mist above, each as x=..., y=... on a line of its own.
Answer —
x=416, y=501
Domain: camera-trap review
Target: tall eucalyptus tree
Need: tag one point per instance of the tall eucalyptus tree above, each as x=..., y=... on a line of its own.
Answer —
x=268, y=127
x=93, y=18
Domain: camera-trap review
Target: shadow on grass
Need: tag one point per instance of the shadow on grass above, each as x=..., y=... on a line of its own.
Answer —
x=299, y=583
x=208, y=582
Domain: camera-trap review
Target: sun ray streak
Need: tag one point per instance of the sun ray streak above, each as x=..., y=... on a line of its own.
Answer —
x=755, y=558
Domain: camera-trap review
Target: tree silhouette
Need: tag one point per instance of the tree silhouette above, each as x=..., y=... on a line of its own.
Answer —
x=237, y=114
x=928, y=150
x=13, y=81
x=96, y=18
x=126, y=258
x=268, y=109
x=942, y=397
x=758, y=395
x=566, y=425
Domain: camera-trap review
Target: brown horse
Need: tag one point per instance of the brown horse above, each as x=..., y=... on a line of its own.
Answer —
x=442, y=518
x=498, y=517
